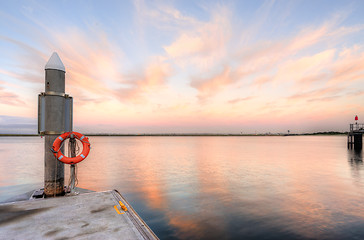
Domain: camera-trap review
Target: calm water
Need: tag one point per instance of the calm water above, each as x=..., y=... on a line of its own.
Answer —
x=308, y=187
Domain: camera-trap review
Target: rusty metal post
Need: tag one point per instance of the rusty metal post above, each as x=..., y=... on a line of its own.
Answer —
x=72, y=148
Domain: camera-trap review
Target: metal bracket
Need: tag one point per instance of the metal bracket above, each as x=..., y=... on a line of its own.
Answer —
x=51, y=93
x=50, y=133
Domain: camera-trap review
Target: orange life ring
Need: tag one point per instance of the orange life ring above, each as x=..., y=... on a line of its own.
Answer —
x=68, y=160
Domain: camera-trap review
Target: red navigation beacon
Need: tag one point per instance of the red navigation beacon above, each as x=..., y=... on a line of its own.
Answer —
x=356, y=118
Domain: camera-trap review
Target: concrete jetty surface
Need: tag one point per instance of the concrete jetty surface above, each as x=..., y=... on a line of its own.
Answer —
x=95, y=215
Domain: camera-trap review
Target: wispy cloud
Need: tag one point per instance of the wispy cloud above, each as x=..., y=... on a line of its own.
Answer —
x=260, y=81
x=238, y=100
x=13, y=124
x=9, y=98
x=314, y=95
x=202, y=43
x=312, y=78
x=163, y=16
x=165, y=60
x=293, y=58
x=208, y=87
x=349, y=66
x=149, y=81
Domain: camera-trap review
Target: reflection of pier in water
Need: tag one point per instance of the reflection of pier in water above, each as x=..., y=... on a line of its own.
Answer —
x=355, y=158
x=355, y=136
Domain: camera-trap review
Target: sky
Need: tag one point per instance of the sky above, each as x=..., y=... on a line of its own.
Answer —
x=187, y=66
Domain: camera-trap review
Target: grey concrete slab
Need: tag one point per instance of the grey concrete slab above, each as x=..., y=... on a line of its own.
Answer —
x=30, y=194
x=96, y=215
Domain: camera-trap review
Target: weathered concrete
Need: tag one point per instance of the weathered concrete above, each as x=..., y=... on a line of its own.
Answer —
x=86, y=216
x=30, y=194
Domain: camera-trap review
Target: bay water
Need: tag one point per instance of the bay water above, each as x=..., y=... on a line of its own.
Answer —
x=271, y=187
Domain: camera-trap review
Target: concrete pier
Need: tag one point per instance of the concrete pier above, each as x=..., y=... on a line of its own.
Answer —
x=96, y=215
x=77, y=215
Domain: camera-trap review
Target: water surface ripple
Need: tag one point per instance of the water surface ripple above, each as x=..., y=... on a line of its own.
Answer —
x=296, y=187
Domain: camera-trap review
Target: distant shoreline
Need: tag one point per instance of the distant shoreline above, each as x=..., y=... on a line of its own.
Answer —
x=186, y=134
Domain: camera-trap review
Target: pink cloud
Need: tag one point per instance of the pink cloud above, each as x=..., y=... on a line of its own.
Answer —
x=95, y=69
x=313, y=78
x=314, y=95
x=260, y=81
x=202, y=44
x=208, y=87
x=325, y=99
x=93, y=65
x=213, y=51
x=150, y=80
x=9, y=98
x=277, y=60
x=238, y=100
x=186, y=45
x=306, y=65
x=349, y=66
x=267, y=55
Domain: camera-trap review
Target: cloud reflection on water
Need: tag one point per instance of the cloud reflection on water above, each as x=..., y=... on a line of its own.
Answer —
x=228, y=187
x=212, y=187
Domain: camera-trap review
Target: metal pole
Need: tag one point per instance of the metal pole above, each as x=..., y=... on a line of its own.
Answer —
x=73, y=166
x=54, y=124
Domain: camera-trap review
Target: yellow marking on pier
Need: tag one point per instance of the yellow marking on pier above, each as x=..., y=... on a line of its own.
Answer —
x=117, y=210
x=123, y=206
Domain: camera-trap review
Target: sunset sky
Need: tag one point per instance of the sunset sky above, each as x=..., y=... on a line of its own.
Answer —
x=187, y=66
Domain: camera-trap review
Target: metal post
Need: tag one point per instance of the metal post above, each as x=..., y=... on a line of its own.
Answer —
x=54, y=124
x=358, y=141
x=73, y=166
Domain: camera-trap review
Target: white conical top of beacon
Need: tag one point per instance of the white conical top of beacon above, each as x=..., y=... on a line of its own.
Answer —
x=55, y=62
